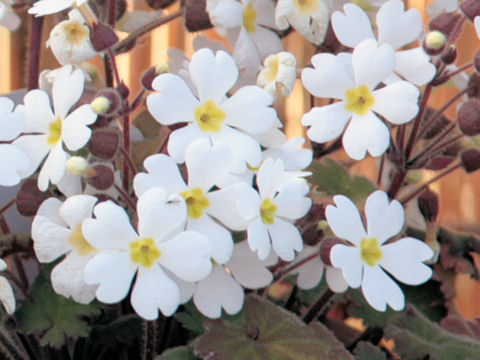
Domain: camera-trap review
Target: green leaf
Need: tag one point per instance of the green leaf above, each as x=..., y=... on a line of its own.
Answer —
x=191, y=319
x=416, y=337
x=123, y=331
x=333, y=179
x=53, y=317
x=178, y=353
x=270, y=332
x=367, y=351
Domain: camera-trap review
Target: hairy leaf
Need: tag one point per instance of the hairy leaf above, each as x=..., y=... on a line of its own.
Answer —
x=178, y=353
x=367, y=351
x=270, y=332
x=53, y=317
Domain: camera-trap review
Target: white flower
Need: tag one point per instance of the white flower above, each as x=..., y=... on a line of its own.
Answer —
x=271, y=211
x=396, y=27
x=292, y=154
x=13, y=161
x=160, y=244
x=365, y=262
x=352, y=80
x=246, y=21
x=206, y=166
x=6, y=292
x=57, y=231
x=440, y=6
x=70, y=40
x=309, y=17
x=8, y=18
x=46, y=7
x=213, y=116
x=278, y=74
x=310, y=273
x=477, y=25
x=53, y=129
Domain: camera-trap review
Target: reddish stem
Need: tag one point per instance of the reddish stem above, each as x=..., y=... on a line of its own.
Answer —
x=34, y=49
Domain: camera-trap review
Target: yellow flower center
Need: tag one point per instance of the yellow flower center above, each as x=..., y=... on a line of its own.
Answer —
x=359, y=100
x=81, y=246
x=54, y=131
x=196, y=201
x=144, y=252
x=249, y=17
x=209, y=116
x=370, y=252
x=267, y=211
x=75, y=32
x=271, y=70
x=306, y=7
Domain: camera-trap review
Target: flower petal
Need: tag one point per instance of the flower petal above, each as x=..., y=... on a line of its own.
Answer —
x=286, y=239
x=13, y=163
x=347, y=258
x=291, y=201
x=75, y=132
x=397, y=102
x=259, y=239
x=67, y=89
x=414, y=65
x=181, y=138
x=327, y=122
x=6, y=295
x=384, y=219
x=344, y=220
x=77, y=208
x=50, y=240
x=335, y=280
x=36, y=148
x=352, y=27
x=379, y=290
x=53, y=168
x=37, y=111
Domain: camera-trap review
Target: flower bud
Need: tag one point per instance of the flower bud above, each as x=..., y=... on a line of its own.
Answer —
x=439, y=162
x=278, y=73
x=29, y=198
x=414, y=176
x=102, y=36
x=77, y=165
x=123, y=90
x=469, y=118
x=326, y=247
x=434, y=42
x=476, y=61
x=445, y=22
x=107, y=102
x=428, y=205
x=104, y=143
x=471, y=8
x=196, y=16
x=470, y=160
x=150, y=74
x=159, y=4
x=450, y=55
x=101, y=178
x=474, y=85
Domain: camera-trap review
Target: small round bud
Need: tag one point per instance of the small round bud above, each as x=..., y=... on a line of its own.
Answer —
x=77, y=165
x=151, y=73
x=474, y=85
x=159, y=4
x=326, y=247
x=101, y=178
x=470, y=160
x=323, y=225
x=102, y=36
x=445, y=23
x=414, y=176
x=469, y=118
x=471, y=8
x=104, y=143
x=29, y=198
x=450, y=55
x=196, y=16
x=428, y=205
x=100, y=105
x=434, y=42
x=476, y=61
x=439, y=162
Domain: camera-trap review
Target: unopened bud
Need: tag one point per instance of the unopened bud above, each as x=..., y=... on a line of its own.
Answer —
x=414, y=176
x=469, y=118
x=470, y=160
x=101, y=178
x=474, y=85
x=326, y=248
x=450, y=55
x=29, y=197
x=151, y=73
x=471, y=8
x=107, y=102
x=434, y=42
x=159, y=4
x=428, y=205
x=77, y=165
x=196, y=16
x=102, y=36
x=104, y=143
x=445, y=23
x=123, y=90
x=439, y=163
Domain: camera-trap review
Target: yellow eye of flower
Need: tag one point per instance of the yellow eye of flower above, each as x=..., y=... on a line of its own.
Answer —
x=306, y=7
x=144, y=252
x=267, y=211
x=271, y=71
x=359, y=100
x=79, y=243
x=54, y=131
x=249, y=17
x=209, y=116
x=370, y=251
x=75, y=32
x=196, y=201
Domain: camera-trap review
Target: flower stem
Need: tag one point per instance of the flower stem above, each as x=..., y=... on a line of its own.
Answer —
x=125, y=196
x=150, y=338
x=126, y=149
x=396, y=183
x=318, y=306
x=34, y=49
x=282, y=272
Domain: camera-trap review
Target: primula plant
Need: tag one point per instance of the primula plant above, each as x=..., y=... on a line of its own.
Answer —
x=181, y=222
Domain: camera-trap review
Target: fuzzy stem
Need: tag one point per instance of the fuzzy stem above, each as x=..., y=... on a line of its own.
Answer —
x=125, y=197
x=150, y=340
x=396, y=183
x=380, y=170
x=34, y=48
x=112, y=12
x=126, y=149
x=318, y=306
x=287, y=270
x=8, y=205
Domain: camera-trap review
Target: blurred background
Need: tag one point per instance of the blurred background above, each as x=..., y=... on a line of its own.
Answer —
x=459, y=192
